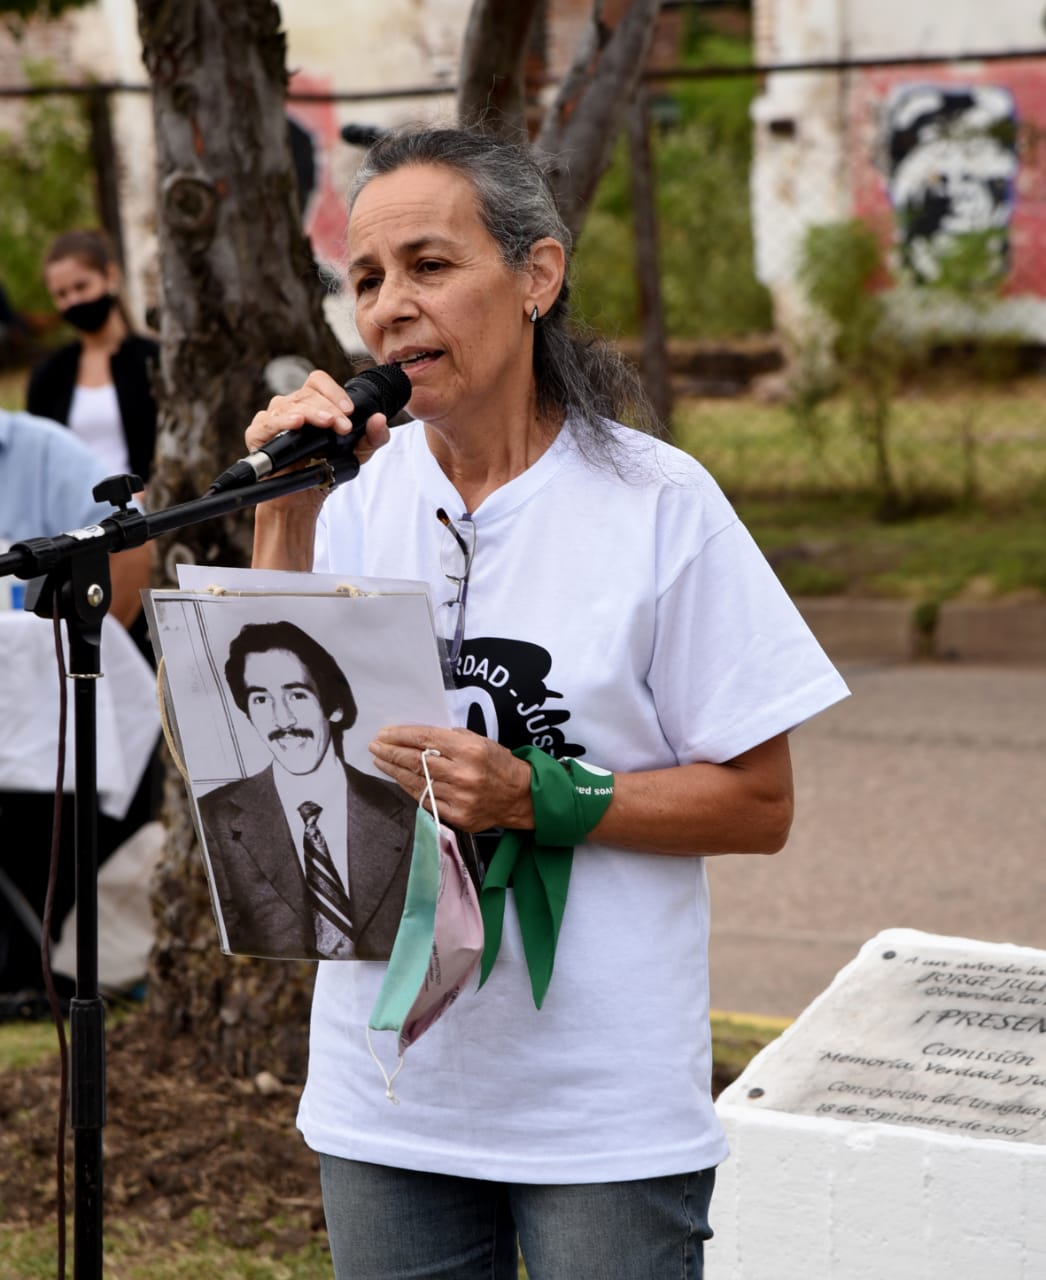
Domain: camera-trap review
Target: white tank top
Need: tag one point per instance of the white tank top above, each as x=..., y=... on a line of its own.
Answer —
x=94, y=416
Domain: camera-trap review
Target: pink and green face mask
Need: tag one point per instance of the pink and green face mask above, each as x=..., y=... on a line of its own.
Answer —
x=447, y=928
x=439, y=942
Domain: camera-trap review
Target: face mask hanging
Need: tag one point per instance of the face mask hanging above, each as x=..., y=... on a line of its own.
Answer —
x=439, y=942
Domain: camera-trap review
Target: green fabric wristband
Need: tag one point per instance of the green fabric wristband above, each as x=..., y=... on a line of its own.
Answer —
x=569, y=799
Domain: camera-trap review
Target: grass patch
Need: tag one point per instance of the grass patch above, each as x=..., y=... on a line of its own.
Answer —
x=130, y=1253
x=737, y=1038
x=825, y=545
x=983, y=446
x=24, y=1044
x=263, y=1241
x=973, y=475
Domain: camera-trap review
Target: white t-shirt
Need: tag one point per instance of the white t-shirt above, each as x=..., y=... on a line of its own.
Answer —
x=94, y=417
x=626, y=617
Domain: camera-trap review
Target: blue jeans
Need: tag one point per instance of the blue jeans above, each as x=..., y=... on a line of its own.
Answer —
x=395, y=1224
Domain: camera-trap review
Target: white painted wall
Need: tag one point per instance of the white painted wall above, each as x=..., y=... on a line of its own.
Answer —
x=798, y=174
x=802, y=172
x=884, y=28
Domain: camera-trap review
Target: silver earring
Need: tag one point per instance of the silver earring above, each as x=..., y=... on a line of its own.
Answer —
x=534, y=314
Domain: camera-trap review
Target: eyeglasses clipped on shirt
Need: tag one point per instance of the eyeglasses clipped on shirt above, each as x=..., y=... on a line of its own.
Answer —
x=456, y=552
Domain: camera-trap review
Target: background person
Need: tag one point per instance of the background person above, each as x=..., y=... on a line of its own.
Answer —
x=99, y=385
x=279, y=895
x=600, y=599
x=46, y=478
x=46, y=483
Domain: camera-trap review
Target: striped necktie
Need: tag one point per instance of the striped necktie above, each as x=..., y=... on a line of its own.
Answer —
x=333, y=915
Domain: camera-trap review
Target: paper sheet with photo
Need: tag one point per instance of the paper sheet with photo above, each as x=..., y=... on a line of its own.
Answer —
x=383, y=644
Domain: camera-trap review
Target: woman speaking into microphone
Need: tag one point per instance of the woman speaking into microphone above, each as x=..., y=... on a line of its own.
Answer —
x=624, y=671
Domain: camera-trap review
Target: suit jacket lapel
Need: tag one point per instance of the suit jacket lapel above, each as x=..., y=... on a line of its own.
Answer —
x=375, y=813
x=265, y=837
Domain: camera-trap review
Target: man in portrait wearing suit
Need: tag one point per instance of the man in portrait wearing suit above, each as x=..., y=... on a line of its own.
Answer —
x=310, y=856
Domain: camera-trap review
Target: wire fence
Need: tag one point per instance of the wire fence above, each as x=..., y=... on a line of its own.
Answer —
x=852, y=280
x=897, y=226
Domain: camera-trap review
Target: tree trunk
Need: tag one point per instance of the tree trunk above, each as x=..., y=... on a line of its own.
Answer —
x=578, y=132
x=653, y=363
x=103, y=157
x=580, y=128
x=239, y=286
x=491, y=92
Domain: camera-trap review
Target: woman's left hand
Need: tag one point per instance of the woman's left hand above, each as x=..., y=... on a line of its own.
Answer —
x=477, y=783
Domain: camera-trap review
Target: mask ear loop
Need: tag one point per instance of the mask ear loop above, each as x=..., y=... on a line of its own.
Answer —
x=429, y=751
x=389, y=1079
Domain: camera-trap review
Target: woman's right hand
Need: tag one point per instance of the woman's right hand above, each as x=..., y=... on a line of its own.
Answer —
x=285, y=528
x=322, y=402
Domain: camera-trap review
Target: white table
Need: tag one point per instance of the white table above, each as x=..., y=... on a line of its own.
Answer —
x=127, y=714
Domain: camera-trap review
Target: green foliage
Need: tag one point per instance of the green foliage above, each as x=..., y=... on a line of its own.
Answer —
x=812, y=508
x=603, y=278
x=863, y=356
x=47, y=177
x=604, y=275
x=12, y=388
x=720, y=103
x=808, y=578
x=972, y=265
x=837, y=266
x=704, y=204
x=15, y=13
x=701, y=165
x=708, y=280
x=928, y=559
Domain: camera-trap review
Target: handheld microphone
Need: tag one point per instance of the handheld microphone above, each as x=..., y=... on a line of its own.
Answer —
x=384, y=389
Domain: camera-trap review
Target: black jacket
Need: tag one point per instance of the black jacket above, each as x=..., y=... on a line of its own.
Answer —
x=52, y=382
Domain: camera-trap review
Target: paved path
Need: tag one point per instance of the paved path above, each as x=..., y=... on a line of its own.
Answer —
x=920, y=802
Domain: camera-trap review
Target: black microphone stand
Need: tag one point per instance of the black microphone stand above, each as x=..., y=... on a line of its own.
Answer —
x=70, y=574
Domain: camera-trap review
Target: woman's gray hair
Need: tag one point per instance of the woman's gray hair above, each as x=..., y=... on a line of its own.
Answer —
x=577, y=373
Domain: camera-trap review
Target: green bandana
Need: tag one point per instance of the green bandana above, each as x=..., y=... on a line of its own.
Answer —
x=569, y=799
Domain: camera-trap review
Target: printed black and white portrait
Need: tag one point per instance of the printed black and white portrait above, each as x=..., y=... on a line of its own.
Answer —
x=951, y=156
x=276, y=698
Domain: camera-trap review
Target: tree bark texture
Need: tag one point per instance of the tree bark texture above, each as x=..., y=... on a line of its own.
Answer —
x=580, y=128
x=239, y=286
x=491, y=90
x=654, y=352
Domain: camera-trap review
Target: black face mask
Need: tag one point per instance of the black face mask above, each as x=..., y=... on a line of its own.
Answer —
x=89, y=317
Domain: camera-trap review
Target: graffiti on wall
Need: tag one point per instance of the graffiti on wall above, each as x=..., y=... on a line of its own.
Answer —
x=951, y=154
x=321, y=166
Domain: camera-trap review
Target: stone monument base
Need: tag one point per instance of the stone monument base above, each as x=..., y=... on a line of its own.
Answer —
x=897, y=1129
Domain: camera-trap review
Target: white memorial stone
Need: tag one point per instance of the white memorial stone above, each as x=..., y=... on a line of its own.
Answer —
x=932, y=1033
x=897, y=1127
